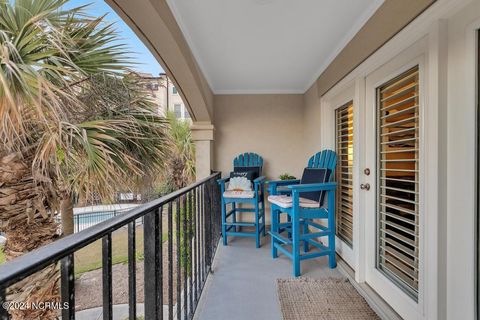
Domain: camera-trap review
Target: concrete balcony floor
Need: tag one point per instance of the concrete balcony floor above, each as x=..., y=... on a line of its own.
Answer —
x=243, y=282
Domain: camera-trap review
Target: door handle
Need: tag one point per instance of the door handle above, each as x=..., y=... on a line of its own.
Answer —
x=365, y=186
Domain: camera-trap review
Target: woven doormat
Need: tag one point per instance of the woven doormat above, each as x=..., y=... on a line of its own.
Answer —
x=325, y=299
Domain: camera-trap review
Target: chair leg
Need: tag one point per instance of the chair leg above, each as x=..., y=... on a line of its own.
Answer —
x=257, y=225
x=289, y=220
x=332, y=258
x=296, y=246
x=306, y=246
x=224, y=226
x=332, y=262
x=274, y=221
x=234, y=216
x=263, y=219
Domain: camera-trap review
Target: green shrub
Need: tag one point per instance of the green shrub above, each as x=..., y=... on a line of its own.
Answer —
x=287, y=176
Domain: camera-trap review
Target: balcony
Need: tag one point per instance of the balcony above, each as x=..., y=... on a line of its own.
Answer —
x=244, y=280
x=398, y=100
x=201, y=278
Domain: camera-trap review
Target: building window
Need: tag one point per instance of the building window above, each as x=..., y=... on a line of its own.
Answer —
x=187, y=115
x=177, y=108
x=152, y=86
x=174, y=90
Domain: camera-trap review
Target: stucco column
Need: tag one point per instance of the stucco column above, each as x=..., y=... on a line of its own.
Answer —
x=202, y=134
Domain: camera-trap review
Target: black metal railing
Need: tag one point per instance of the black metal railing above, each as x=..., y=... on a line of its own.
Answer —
x=190, y=220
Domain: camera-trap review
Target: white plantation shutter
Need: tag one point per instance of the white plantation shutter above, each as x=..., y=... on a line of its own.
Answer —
x=344, y=170
x=398, y=180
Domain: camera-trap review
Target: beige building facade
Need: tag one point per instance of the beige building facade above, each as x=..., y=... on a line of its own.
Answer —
x=165, y=95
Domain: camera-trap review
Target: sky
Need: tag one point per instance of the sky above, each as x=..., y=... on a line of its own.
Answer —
x=146, y=62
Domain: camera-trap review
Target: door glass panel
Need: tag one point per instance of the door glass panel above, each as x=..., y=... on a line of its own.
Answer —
x=344, y=172
x=397, y=186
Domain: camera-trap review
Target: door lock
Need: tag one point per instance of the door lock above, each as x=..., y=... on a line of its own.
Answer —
x=366, y=171
x=365, y=186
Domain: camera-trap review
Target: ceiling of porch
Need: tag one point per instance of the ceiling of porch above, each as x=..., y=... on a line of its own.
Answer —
x=268, y=46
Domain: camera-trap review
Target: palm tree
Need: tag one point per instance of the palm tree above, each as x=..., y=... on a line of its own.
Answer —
x=59, y=135
x=123, y=128
x=180, y=168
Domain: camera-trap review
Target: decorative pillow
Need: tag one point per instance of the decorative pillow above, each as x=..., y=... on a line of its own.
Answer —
x=315, y=175
x=256, y=171
x=250, y=175
x=239, y=184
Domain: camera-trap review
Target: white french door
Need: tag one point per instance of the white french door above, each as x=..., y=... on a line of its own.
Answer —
x=391, y=186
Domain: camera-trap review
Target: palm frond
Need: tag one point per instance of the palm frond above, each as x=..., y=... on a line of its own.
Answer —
x=43, y=49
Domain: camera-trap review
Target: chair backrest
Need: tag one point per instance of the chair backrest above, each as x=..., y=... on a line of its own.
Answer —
x=324, y=159
x=248, y=159
x=315, y=175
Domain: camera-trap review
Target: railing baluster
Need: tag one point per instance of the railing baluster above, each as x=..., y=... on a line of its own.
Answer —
x=3, y=306
x=190, y=251
x=202, y=235
x=68, y=287
x=179, y=270
x=151, y=266
x=197, y=239
x=160, y=263
x=216, y=214
x=170, y=261
x=185, y=254
x=208, y=228
x=132, y=284
x=107, y=276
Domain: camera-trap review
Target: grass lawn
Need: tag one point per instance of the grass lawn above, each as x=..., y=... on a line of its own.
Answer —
x=90, y=257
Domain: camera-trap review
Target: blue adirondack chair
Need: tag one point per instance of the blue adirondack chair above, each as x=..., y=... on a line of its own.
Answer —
x=326, y=159
x=256, y=203
x=302, y=217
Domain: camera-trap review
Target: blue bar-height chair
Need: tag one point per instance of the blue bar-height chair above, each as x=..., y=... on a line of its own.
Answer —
x=230, y=227
x=326, y=159
x=303, y=212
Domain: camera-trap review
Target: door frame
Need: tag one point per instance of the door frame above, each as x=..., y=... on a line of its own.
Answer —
x=477, y=173
x=331, y=102
x=407, y=307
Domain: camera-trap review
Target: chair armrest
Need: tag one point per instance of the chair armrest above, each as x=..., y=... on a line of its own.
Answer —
x=258, y=184
x=223, y=181
x=329, y=186
x=283, y=182
x=272, y=185
x=259, y=180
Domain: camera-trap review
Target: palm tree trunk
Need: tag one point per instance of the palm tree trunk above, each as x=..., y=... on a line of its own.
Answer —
x=82, y=199
x=67, y=215
x=27, y=224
